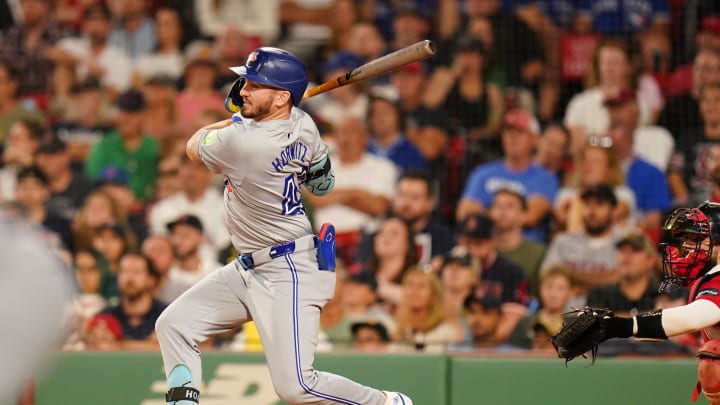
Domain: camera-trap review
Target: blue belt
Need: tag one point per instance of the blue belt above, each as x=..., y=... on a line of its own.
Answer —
x=250, y=260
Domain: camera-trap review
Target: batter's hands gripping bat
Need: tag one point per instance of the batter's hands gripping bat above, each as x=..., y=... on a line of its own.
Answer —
x=385, y=64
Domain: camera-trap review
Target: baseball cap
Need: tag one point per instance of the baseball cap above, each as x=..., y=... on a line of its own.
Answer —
x=372, y=324
x=477, y=226
x=415, y=67
x=601, y=192
x=482, y=297
x=710, y=24
x=620, y=97
x=51, y=146
x=113, y=175
x=341, y=60
x=522, y=119
x=130, y=101
x=458, y=255
x=365, y=278
x=109, y=321
x=637, y=241
x=189, y=220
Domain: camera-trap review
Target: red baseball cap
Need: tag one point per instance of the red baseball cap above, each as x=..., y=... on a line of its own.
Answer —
x=711, y=24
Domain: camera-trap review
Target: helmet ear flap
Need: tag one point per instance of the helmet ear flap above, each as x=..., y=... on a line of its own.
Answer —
x=233, y=100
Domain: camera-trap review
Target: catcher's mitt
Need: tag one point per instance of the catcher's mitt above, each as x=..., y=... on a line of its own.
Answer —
x=582, y=331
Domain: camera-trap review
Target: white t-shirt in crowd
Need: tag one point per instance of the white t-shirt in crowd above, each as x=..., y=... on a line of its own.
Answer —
x=117, y=67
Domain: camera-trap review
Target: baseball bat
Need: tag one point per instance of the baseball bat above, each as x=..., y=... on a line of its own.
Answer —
x=384, y=64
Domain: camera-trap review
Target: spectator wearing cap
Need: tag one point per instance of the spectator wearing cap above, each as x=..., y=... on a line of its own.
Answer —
x=647, y=181
x=103, y=333
x=347, y=101
x=127, y=147
x=498, y=276
x=692, y=172
x=556, y=287
x=596, y=163
x=517, y=171
x=473, y=104
x=68, y=188
x=637, y=290
x=199, y=94
x=137, y=310
x=370, y=336
x=681, y=114
x=611, y=71
x=459, y=276
x=11, y=109
x=19, y=150
x=115, y=181
x=359, y=302
x=90, y=55
x=707, y=36
x=159, y=250
x=166, y=59
x=85, y=120
x=508, y=212
x=589, y=253
x=198, y=198
x=134, y=31
x=187, y=238
x=32, y=192
x=420, y=314
x=365, y=184
x=387, y=135
x=411, y=23
x=483, y=316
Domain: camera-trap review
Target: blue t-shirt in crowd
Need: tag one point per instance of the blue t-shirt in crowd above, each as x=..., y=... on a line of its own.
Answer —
x=561, y=12
x=403, y=153
x=487, y=179
x=620, y=17
x=651, y=189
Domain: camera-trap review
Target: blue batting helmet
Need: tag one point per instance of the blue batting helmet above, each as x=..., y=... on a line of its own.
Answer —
x=277, y=68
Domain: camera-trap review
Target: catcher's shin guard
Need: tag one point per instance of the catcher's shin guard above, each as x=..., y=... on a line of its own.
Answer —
x=709, y=371
x=181, y=390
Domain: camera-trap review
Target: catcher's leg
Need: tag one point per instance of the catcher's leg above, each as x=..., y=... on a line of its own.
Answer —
x=709, y=370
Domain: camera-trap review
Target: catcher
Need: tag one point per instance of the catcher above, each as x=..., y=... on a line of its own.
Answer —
x=689, y=237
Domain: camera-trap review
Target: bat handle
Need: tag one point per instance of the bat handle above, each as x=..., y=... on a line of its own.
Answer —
x=321, y=88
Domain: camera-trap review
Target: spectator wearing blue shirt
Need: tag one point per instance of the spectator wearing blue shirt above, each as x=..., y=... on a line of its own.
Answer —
x=516, y=171
x=623, y=17
x=386, y=125
x=648, y=183
x=135, y=33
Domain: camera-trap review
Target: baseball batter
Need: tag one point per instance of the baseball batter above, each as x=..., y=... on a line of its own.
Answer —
x=285, y=274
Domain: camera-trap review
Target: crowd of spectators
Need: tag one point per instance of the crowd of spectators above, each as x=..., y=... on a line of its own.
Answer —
x=523, y=170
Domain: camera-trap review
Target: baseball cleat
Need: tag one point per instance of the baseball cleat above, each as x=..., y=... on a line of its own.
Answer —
x=181, y=390
x=397, y=398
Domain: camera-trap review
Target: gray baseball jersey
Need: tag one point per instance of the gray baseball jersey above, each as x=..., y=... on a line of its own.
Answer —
x=264, y=164
x=283, y=289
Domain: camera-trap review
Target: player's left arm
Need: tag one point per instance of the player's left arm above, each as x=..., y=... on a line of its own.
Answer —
x=193, y=144
x=661, y=324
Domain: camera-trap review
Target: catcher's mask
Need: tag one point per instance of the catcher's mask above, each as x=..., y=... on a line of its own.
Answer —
x=686, y=247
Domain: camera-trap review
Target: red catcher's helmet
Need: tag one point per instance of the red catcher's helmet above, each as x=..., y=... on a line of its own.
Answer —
x=686, y=247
